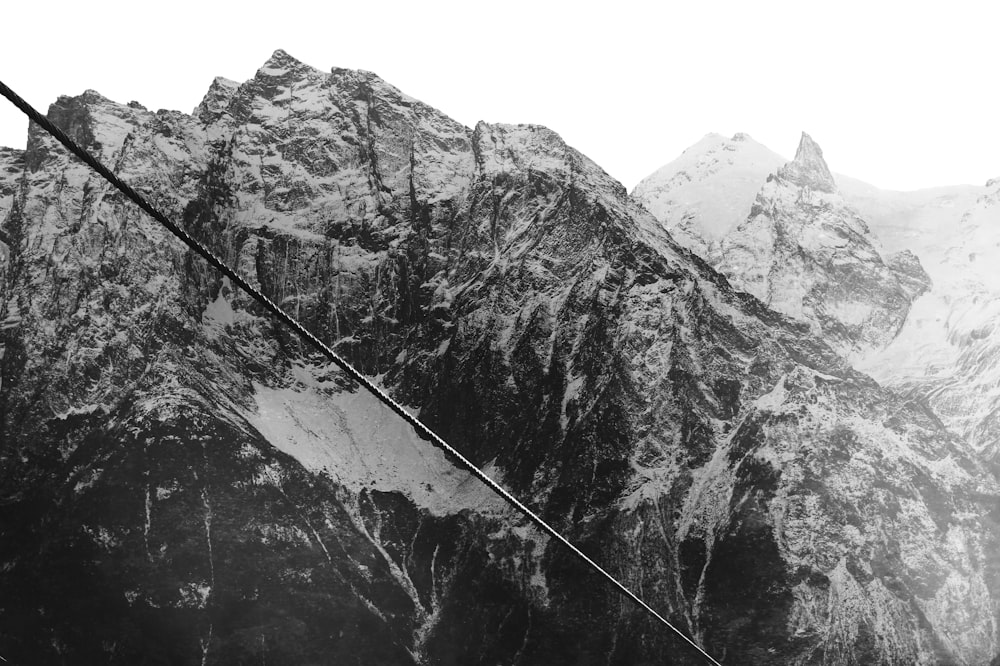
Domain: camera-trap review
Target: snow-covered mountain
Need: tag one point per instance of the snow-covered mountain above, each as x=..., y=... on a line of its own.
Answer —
x=948, y=353
x=805, y=252
x=944, y=352
x=709, y=190
x=182, y=482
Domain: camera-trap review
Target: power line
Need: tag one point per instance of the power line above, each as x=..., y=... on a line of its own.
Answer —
x=292, y=323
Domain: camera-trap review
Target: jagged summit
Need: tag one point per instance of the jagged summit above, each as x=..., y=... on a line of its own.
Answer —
x=88, y=96
x=11, y=167
x=282, y=59
x=216, y=100
x=805, y=252
x=281, y=62
x=809, y=169
x=284, y=68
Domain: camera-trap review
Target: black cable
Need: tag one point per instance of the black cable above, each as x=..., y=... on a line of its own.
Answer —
x=422, y=430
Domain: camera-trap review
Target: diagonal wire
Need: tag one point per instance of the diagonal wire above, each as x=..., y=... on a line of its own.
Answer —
x=291, y=322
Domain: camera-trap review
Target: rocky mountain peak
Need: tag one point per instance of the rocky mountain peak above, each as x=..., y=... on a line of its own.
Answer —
x=281, y=70
x=216, y=100
x=809, y=169
x=281, y=59
x=805, y=252
x=91, y=96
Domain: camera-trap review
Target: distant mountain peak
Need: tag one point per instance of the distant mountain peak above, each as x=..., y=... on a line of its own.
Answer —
x=217, y=99
x=281, y=64
x=282, y=57
x=809, y=169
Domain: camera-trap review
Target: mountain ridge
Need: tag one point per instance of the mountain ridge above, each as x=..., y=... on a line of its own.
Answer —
x=933, y=357
x=206, y=479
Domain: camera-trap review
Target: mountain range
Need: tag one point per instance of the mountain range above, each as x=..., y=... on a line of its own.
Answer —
x=760, y=394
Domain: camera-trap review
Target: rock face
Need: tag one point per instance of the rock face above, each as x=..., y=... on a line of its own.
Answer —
x=181, y=481
x=804, y=252
x=709, y=190
x=11, y=166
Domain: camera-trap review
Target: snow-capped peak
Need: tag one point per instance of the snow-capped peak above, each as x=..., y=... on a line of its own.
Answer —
x=280, y=59
x=809, y=169
x=708, y=190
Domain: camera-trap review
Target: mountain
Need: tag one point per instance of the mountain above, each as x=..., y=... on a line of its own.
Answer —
x=181, y=481
x=946, y=354
x=806, y=253
x=707, y=191
x=942, y=354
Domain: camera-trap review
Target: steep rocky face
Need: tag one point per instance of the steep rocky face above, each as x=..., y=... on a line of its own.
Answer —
x=934, y=229
x=804, y=252
x=809, y=170
x=172, y=458
x=11, y=166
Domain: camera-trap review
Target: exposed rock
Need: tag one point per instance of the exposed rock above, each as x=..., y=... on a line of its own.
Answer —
x=181, y=481
x=809, y=169
x=804, y=252
x=216, y=100
x=709, y=190
x=911, y=275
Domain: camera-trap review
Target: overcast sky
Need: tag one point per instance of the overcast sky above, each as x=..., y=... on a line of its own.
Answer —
x=902, y=95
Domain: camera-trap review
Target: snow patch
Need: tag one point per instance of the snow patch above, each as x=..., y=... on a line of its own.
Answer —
x=357, y=441
x=773, y=399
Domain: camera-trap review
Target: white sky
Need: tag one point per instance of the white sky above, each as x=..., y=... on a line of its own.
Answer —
x=900, y=94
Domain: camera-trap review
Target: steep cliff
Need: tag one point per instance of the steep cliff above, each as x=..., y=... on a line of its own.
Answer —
x=172, y=458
